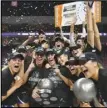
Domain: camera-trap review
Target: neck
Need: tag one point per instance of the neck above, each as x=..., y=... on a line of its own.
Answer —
x=52, y=63
x=39, y=65
x=95, y=76
x=11, y=71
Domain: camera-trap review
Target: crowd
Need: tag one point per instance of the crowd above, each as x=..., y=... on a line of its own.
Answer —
x=61, y=61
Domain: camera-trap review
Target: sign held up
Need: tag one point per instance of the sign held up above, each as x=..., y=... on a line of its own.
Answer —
x=65, y=13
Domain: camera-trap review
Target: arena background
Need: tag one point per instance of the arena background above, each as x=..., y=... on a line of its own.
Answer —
x=23, y=18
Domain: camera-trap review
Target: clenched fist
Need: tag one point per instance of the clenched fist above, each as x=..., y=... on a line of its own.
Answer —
x=35, y=93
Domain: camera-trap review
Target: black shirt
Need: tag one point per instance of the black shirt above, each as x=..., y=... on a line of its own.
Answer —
x=75, y=77
x=102, y=84
x=37, y=74
x=7, y=79
x=61, y=91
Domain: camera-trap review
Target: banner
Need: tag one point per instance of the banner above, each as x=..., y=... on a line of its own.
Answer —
x=65, y=13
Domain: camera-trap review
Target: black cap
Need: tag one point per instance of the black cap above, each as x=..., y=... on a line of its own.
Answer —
x=59, y=39
x=50, y=51
x=22, y=49
x=65, y=52
x=72, y=61
x=75, y=47
x=39, y=50
x=15, y=55
x=80, y=37
x=88, y=56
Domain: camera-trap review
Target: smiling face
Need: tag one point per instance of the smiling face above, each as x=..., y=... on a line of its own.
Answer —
x=40, y=57
x=89, y=69
x=15, y=65
x=51, y=59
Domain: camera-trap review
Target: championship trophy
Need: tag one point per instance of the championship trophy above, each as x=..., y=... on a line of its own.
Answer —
x=45, y=87
x=85, y=91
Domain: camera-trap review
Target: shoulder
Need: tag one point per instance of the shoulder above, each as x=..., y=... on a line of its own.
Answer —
x=103, y=72
x=103, y=75
x=65, y=71
x=63, y=68
x=5, y=71
x=4, y=68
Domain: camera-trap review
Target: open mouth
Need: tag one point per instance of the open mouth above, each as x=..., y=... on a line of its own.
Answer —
x=58, y=46
x=16, y=66
x=50, y=60
x=85, y=71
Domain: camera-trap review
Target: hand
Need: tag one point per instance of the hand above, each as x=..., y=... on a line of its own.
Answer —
x=45, y=45
x=31, y=66
x=35, y=93
x=57, y=71
x=17, y=77
x=47, y=66
x=36, y=41
x=33, y=55
x=85, y=105
x=18, y=83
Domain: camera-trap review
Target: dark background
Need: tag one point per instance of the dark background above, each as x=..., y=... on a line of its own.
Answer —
x=37, y=8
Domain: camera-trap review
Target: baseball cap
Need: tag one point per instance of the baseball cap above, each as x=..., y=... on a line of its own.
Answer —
x=21, y=49
x=39, y=51
x=15, y=55
x=88, y=56
x=63, y=51
x=75, y=47
x=50, y=51
x=72, y=61
x=59, y=39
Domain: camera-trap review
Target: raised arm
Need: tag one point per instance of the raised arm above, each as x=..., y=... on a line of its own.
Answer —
x=29, y=70
x=72, y=34
x=62, y=36
x=90, y=35
x=30, y=39
x=67, y=81
x=97, y=41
